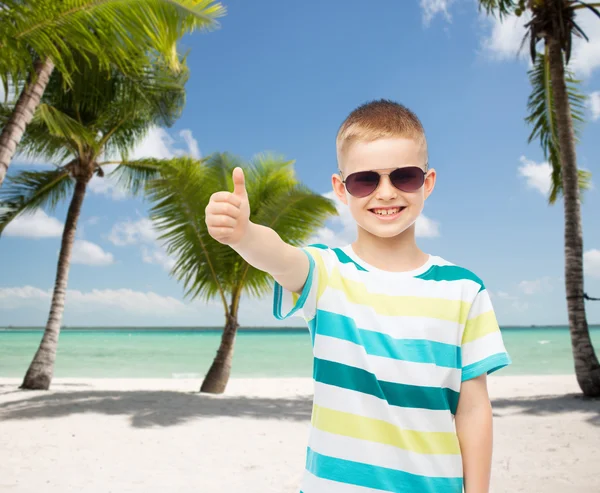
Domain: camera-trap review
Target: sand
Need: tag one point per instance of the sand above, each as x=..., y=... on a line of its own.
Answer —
x=150, y=435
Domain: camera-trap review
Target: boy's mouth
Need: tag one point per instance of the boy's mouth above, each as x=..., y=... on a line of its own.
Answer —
x=387, y=212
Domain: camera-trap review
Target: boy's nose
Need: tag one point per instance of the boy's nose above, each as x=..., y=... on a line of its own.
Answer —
x=385, y=190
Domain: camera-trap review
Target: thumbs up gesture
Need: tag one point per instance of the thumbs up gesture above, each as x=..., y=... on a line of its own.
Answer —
x=228, y=213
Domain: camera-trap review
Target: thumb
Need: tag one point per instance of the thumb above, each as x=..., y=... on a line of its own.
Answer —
x=239, y=182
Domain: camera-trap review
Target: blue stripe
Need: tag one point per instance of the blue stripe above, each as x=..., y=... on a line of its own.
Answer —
x=450, y=273
x=379, y=344
x=396, y=394
x=376, y=477
x=487, y=365
x=278, y=292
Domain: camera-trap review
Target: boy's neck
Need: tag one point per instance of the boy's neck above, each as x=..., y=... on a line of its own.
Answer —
x=396, y=254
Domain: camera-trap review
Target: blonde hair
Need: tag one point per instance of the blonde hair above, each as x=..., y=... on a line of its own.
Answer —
x=378, y=120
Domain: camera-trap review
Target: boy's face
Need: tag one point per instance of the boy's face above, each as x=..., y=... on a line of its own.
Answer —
x=387, y=211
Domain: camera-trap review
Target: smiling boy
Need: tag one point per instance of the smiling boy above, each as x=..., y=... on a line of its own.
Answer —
x=402, y=340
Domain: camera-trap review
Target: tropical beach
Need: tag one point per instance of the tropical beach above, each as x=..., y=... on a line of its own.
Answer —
x=161, y=163
x=132, y=433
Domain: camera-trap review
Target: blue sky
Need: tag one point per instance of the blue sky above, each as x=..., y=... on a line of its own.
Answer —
x=281, y=77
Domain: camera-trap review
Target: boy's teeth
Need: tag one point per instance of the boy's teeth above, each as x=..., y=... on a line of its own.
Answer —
x=385, y=212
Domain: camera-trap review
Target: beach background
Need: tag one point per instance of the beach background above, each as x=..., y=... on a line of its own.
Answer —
x=124, y=414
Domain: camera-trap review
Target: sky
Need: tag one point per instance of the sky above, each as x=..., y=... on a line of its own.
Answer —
x=281, y=77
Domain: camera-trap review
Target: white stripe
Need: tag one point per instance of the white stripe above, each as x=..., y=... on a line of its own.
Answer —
x=313, y=484
x=369, y=406
x=379, y=454
x=445, y=331
x=386, y=369
x=481, y=348
x=481, y=304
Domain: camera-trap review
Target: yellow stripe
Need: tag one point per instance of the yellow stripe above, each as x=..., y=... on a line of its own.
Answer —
x=408, y=306
x=376, y=430
x=321, y=269
x=480, y=326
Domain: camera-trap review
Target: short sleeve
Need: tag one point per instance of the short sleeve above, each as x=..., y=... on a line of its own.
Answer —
x=287, y=304
x=482, y=346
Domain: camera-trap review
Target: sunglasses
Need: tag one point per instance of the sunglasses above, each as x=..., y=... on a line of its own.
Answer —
x=363, y=183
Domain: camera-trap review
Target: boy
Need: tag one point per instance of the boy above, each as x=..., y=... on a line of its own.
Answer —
x=402, y=340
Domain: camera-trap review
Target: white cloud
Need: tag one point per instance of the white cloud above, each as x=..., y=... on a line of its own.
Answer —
x=157, y=143
x=35, y=225
x=127, y=300
x=427, y=228
x=87, y=253
x=591, y=263
x=157, y=256
x=537, y=175
x=530, y=287
x=192, y=144
x=431, y=8
x=504, y=40
x=133, y=232
x=594, y=105
x=536, y=286
x=142, y=231
x=343, y=227
x=585, y=57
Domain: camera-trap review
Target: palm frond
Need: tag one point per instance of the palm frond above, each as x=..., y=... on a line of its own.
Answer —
x=120, y=32
x=502, y=8
x=542, y=118
x=104, y=112
x=29, y=190
x=134, y=176
x=64, y=127
x=179, y=198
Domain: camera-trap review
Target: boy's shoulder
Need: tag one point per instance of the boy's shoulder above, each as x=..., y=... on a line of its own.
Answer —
x=436, y=269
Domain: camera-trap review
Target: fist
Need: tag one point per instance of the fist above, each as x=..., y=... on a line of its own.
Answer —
x=228, y=213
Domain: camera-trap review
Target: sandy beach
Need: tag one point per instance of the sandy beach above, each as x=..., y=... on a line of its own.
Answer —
x=153, y=435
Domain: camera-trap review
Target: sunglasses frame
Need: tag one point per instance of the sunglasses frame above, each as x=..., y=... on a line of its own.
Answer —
x=383, y=174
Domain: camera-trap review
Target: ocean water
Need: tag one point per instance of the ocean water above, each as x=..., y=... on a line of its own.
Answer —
x=185, y=353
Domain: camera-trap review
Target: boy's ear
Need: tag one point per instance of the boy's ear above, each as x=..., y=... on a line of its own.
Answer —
x=339, y=188
x=429, y=184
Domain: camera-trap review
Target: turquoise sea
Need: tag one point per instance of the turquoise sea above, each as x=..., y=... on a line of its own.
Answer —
x=183, y=353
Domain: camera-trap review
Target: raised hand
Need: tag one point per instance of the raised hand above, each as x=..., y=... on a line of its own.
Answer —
x=228, y=213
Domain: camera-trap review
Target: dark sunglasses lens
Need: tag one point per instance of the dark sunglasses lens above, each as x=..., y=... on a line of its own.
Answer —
x=362, y=183
x=408, y=179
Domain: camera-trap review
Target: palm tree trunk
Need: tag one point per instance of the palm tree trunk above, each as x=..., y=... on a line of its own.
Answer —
x=23, y=113
x=587, y=368
x=218, y=375
x=40, y=372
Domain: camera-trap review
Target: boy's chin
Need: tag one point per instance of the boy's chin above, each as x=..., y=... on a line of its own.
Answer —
x=388, y=230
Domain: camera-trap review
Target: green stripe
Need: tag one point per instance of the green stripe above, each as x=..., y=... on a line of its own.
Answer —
x=377, y=477
x=380, y=344
x=396, y=394
x=450, y=273
x=342, y=257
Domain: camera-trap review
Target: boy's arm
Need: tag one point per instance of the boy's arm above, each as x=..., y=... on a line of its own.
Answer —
x=228, y=221
x=474, y=429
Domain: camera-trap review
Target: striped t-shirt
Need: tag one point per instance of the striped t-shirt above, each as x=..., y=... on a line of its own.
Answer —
x=390, y=352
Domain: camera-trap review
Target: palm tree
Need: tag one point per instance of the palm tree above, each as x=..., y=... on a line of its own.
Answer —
x=555, y=109
x=104, y=114
x=38, y=35
x=207, y=268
